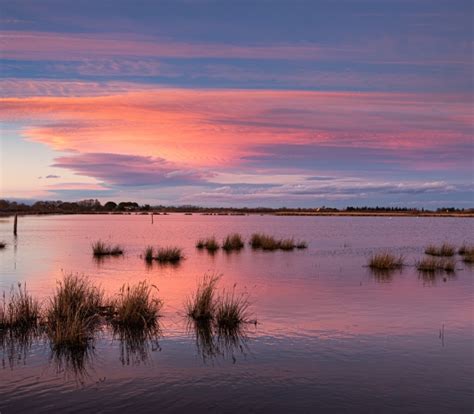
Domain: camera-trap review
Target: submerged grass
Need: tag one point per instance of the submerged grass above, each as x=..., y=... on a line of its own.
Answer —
x=385, y=261
x=445, y=249
x=201, y=306
x=436, y=264
x=99, y=249
x=233, y=241
x=73, y=312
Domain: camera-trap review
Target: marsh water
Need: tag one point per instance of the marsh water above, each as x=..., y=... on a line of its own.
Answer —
x=331, y=336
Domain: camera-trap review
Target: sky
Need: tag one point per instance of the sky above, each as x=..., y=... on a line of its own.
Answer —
x=238, y=103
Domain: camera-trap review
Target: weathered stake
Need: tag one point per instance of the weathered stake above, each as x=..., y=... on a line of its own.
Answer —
x=15, y=224
x=151, y=218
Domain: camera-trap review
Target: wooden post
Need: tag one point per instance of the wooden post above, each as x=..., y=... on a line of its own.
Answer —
x=151, y=217
x=15, y=224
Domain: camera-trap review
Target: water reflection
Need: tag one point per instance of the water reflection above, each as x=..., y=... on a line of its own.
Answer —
x=432, y=277
x=384, y=275
x=213, y=342
x=74, y=361
x=136, y=344
x=15, y=345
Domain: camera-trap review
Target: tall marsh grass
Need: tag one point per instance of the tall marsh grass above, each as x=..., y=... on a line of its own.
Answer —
x=266, y=242
x=21, y=312
x=436, y=264
x=210, y=244
x=231, y=310
x=201, y=306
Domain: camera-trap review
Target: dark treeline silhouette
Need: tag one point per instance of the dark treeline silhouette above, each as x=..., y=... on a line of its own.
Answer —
x=93, y=206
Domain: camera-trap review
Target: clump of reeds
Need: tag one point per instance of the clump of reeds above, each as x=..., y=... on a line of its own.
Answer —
x=233, y=242
x=468, y=257
x=263, y=241
x=231, y=310
x=169, y=254
x=301, y=245
x=99, y=249
x=210, y=244
x=136, y=307
x=73, y=312
x=202, y=305
x=466, y=249
x=22, y=312
x=148, y=254
x=3, y=244
x=286, y=244
x=435, y=264
x=445, y=249
x=385, y=261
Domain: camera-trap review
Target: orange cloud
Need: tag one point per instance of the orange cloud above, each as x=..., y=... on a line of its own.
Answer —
x=213, y=128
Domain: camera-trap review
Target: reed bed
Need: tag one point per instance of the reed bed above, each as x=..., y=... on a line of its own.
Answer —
x=21, y=312
x=445, y=250
x=100, y=249
x=385, y=261
x=233, y=241
x=74, y=312
x=436, y=264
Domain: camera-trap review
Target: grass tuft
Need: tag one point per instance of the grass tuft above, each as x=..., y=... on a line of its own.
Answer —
x=201, y=306
x=210, y=244
x=466, y=249
x=436, y=264
x=99, y=249
x=233, y=242
x=21, y=313
x=468, y=257
x=231, y=310
x=287, y=244
x=445, y=249
x=301, y=245
x=148, y=254
x=73, y=312
x=385, y=261
x=169, y=254
x=3, y=244
x=266, y=242
x=136, y=307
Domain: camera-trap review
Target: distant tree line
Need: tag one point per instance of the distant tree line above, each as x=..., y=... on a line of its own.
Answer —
x=93, y=206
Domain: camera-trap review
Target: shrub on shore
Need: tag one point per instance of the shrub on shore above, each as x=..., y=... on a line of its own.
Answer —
x=233, y=242
x=445, y=249
x=99, y=249
x=385, y=261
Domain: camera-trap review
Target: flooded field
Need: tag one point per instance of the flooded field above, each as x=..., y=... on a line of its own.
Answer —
x=330, y=334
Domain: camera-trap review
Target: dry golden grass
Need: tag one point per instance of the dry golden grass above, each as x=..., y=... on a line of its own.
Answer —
x=201, y=306
x=21, y=312
x=169, y=254
x=231, y=310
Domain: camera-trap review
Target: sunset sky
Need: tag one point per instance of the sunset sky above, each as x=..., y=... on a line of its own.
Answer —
x=236, y=103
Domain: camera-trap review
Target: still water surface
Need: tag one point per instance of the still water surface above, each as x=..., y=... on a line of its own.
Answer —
x=331, y=336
